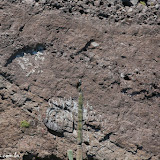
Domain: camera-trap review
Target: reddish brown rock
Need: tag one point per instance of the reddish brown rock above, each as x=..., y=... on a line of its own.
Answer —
x=43, y=54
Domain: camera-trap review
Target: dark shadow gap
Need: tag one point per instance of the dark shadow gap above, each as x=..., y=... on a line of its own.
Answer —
x=85, y=47
x=31, y=156
x=106, y=137
x=55, y=133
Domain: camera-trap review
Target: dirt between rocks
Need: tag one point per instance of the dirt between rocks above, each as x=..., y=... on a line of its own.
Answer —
x=47, y=46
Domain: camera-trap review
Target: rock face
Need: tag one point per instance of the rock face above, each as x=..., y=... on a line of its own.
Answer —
x=47, y=46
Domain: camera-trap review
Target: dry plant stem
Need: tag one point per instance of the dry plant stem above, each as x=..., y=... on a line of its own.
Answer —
x=79, y=126
x=70, y=154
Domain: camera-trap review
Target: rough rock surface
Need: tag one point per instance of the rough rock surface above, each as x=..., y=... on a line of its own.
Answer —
x=47, y=46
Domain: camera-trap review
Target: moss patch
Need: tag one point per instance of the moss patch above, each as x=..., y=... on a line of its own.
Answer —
x=143, y=3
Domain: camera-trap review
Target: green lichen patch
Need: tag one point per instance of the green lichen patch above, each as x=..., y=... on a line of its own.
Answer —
x=24, y=124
